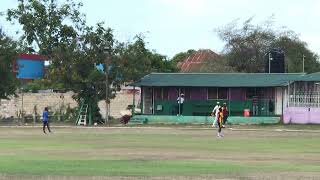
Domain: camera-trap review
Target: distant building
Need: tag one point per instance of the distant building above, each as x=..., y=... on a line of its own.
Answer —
x=269, y=97
x=198, y=61
x=29, y=67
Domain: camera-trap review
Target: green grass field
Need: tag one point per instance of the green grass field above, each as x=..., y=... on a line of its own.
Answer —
x=158, y=153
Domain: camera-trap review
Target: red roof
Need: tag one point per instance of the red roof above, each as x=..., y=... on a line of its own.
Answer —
x=196, y=60
x=35, y=57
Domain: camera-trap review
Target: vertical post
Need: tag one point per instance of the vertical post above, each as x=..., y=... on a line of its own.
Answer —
x=229, y=105
x=269, y=62
x=34, y=115
x=90, y=112
x=107, y=88
x=294, y=94
x=288, y=104
x=179, y=101
x=134, y=100
x=152, y=100
x=303, y=62
x=22, y=114
x=318, y=90
x=282, y=97
x=142, y=97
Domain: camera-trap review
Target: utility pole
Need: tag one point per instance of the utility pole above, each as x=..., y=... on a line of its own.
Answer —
x=22, y=113
x=270, y=62
x=107, y=87
x=303, y=56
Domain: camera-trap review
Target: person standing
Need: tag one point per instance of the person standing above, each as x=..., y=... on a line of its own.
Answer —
x=219, y=122
x=45, y=120
x=180, y=101
x=215, y=113
x=225, y=113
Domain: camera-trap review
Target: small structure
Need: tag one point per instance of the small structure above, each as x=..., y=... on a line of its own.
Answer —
x=29, y=67
x=304, y=100
x=265, y=95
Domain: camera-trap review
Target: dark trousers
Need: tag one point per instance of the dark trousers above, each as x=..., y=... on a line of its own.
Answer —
x=46, y=123
x=225, y=119
x=219, y=125
x=181, y=109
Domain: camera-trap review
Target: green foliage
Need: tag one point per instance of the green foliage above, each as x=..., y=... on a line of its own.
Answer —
x=246, y=47
x=8, y=50
x=181, y=56
x=295, y=49
x=138, y=61
x=46, y=23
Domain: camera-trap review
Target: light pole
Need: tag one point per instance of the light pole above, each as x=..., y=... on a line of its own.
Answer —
x=270, y=59
x=303, y=56
x=107, y=85
x=22, y=114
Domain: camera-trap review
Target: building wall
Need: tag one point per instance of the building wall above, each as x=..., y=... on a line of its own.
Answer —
x=199, y=93
x=278, y=101
x=237, y=94
x=11, y=107
x=301, y=115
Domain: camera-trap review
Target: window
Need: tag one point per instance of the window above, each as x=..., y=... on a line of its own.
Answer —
x=212, y=93
x=157, y=93
x=250, y=93
x=255, y=92
x=165, y=93
x=160, y=93
x=217, y=93
x=222, y=93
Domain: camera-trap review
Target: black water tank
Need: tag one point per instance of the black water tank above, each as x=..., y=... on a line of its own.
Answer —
x=277, y=64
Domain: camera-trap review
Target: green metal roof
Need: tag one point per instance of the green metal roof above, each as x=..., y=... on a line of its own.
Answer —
x=311, y=77
x=219, y=79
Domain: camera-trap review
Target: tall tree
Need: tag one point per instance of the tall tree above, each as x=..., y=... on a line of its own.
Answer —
x=247, y=47
x=8, y=50
x=181, y=56
x=139, y=61
x=296, y=51
x=47, y=24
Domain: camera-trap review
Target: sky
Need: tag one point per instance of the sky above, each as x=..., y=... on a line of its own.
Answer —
x=173, y=26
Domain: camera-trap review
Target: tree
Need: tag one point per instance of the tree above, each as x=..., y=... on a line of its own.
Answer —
x=247, y=47
x=47, y=24
x=139, y=61
x=181, y=56
x=217, y=65
x=8, y=50
x=294, y=50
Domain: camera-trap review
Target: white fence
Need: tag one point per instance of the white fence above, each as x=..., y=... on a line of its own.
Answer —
x=304, y=100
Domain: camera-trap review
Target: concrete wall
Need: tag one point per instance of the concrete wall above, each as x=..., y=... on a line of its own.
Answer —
x=12, y=107
x=154, y=119
x=28, y=101
x=279, y=96
x=301, y=115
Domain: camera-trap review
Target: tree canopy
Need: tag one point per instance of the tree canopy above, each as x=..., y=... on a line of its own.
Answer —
x=247, y=46
x=8, y=50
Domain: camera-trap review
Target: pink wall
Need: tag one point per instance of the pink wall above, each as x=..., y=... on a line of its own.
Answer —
x=301, y=115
